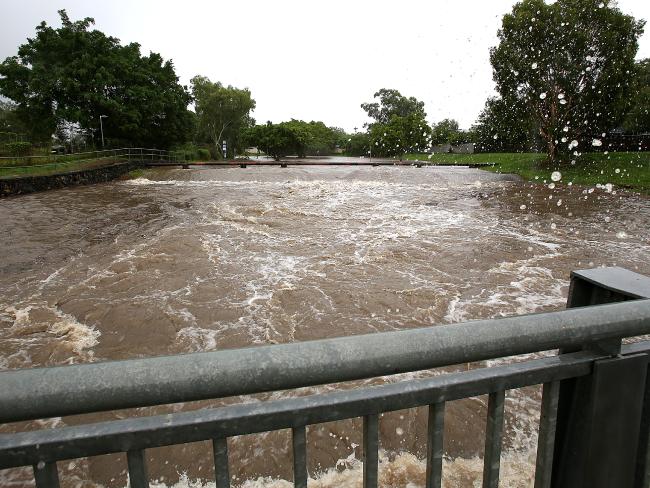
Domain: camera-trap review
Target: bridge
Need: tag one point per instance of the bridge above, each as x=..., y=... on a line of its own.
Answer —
x=162, y=158
x=594, y=428
x=285, y=163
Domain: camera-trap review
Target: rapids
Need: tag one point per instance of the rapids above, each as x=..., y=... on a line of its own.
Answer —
x=178, y=261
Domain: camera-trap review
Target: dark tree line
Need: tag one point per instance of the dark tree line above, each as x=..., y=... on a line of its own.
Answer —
x=564, y=71
x=295, y=137
x=565, y=74
x=62, y=80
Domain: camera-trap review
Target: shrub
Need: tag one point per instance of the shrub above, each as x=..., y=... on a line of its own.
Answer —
x=214, y=153
x=19, y=149
x=203, y=154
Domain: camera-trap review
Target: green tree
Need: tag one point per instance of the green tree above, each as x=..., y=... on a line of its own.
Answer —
x=222, y=113
x=314, y=138
x=445, y=132
x=401, y=135
x=302, y=136
x=357, y=144
x=400, y=124
x=74, y=74
x=504, y=126
x=324, y=139
x=392, y=103
x=637, y=119
x=11, y=128
x=276, y=140
x=568, y=63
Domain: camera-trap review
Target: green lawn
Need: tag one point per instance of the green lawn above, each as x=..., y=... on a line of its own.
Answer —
x=624, y=169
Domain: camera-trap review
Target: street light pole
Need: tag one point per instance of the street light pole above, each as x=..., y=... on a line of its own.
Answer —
x=101, y=127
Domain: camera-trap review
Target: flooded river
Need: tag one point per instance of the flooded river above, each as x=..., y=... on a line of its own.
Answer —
x=178, y=261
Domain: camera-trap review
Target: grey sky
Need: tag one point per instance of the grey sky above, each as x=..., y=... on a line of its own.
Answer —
x=306, y=59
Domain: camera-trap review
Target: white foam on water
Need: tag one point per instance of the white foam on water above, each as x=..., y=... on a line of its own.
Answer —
x=198, y=338
x=73, y=340
x=79, y=336
x=532, y=287
x=403, y=470
x=140, y=181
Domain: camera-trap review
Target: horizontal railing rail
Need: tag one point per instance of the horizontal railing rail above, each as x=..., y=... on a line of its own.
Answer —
x=599, y=386
x=142, y=433
x=84, y=388
x=127, y=153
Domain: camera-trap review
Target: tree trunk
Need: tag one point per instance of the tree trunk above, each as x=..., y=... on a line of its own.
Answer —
x=551, y=150
x=551, y=147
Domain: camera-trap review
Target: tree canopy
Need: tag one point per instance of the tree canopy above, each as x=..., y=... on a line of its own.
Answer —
x=400, y=124
x=637, y=119
x=358, y=144
x=11, y=128
x=314, y=138
x=504, y=126
x=392, y=103
x=223, y=113
x=276, y=140
x=295, y=137
x=400, y=135
x=74, y=74
x=447, y=131
x=568, y=63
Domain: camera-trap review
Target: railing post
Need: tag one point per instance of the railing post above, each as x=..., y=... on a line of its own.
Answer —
x=601, y=439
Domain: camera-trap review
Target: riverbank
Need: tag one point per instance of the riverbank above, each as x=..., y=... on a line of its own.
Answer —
x=624, y=169
x=19, y=185
x=56, y=167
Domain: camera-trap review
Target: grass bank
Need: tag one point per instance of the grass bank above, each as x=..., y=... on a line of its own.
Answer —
x=54, y=168
x=622, y=169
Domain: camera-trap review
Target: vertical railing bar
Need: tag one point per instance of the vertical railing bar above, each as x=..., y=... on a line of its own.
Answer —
x=299, y=439
x=642, y=471
x=435, y=438
x=221, y=471
x=370, y=450
x=46, y=475
x=546, y=438
x=493, y=439
x=138, y=477
x=645, y=477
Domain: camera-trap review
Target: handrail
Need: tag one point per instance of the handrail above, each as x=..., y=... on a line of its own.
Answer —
x=66, y=390
x=89, y=152
x=196, y=425
x=126, y=152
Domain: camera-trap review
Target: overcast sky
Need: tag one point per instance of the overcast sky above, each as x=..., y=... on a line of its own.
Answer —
x=307, y=59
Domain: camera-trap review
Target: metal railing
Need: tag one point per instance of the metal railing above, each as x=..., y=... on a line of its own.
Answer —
x=121, y=154
x=595, y=412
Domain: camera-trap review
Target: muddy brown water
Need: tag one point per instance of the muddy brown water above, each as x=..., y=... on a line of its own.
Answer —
x=203, y=259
